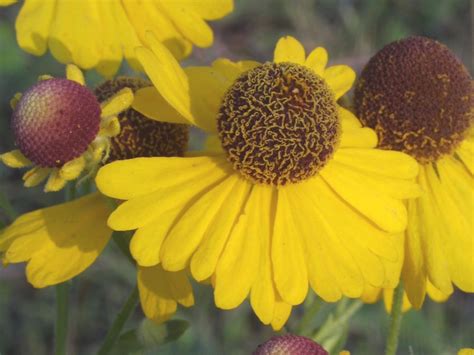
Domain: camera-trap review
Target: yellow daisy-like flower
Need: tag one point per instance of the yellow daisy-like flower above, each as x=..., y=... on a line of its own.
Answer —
x=296, y=194
x=419, y=98
x=60, y=242
x=98, y=34
x=62, y=130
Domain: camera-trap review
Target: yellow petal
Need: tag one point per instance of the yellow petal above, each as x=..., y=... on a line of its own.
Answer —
x=149, y=17
x=190, y=228
x=75, y=74
x=340, y=79
x=55, y=181
x=209, y=9
x=109, y=127
x=161, y=291
x=189, y=23
x=392, y=164
x=204, y=260
x=388, y=213
x=150, y=103
x=72, y=169
x=230, y=71
x=323, y=239
x=431, y=233
x=435, y=294
x=288, y=258
x=317, y=60
x=235, y=271
x=35, y=176
x=262, y=295
x=74, y=39
x=453, y=195
x=348, y=120
x=7, y=2
x=15, y=159
x=112, y=43
x=289, y=49
x=281, y=314
x=167, y=76
x=466, y=351
x=207, y=88
x=15, y=99
x=32, y=25
x=358, y=138
x=141, y=210
x=58, y=242
x=413, y=272
x=141, y=176
x=466, y=153
x=121, y=101
x=145, y=246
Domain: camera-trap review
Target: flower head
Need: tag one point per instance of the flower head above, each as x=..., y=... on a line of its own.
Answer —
x=290, y=345
x=260, y=214
x=419, y=99
x=62, y=130
x=99, y=34
x=62, y=241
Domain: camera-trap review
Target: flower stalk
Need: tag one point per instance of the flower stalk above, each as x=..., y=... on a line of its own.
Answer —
x=395, y=321
x=62, y=318
x=117, y=326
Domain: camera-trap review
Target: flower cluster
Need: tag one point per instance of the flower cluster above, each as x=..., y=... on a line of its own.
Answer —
x=292, y=193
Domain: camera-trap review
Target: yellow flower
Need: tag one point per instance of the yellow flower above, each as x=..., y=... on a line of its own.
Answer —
x=62, y=130
x=418, y=97
x=98, y=34
x=296, y=194
x=60, y=242
x=466, y=351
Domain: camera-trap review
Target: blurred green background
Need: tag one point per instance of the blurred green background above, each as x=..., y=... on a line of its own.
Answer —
x=351, y=31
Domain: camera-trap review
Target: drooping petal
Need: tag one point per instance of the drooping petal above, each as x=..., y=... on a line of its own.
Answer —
x=140, y=211
x=206, y=257
x=33, y=25
x=161, y=291
x=167, y=76
x=58, y=242
x=15, y=159
x=262, y=295
x=288, y=258
x=75, y=74
x=235, y=272
x=388, y=213
x=188, y=231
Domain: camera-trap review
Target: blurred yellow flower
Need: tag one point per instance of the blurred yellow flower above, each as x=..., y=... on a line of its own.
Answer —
x=466, y=351
x=98, y=34
x=293, y=195
x=419, y=98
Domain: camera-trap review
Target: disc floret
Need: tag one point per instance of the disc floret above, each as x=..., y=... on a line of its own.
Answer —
x=278, y=123
x=418, y=97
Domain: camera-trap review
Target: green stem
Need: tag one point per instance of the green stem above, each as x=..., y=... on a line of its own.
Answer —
x=334, y=324
x=309, y=316
x=7, y=207
x=395, y=321
x=117, y=326
x=62, y=317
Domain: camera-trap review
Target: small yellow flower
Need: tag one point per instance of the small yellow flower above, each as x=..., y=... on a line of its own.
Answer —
x=62, y=130
x=98, y=34
x=60, y=242
x=419, y=99
x=294, y=195
x=466, y=351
